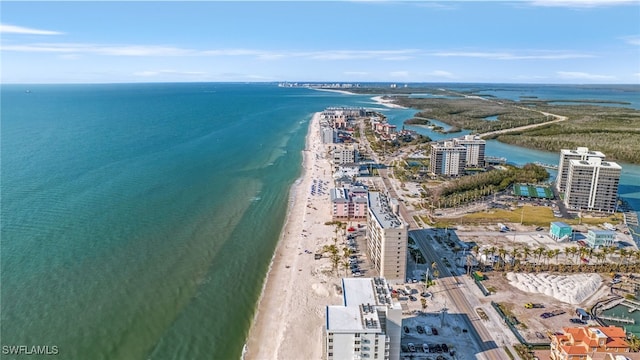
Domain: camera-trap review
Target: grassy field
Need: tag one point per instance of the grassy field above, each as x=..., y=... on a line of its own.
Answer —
x=530, y=215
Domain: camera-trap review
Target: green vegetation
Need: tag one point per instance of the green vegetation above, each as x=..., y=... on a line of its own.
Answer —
x=471, y=113
x=471, y=188
x=614, y=132
x=524, y=352
x=417, y=121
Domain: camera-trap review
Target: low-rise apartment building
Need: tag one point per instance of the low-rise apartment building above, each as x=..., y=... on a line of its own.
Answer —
x=349, y=203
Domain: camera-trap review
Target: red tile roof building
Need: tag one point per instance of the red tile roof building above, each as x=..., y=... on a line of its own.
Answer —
x=579, y=343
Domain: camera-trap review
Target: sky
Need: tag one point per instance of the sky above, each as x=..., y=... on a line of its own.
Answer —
x=538, y=41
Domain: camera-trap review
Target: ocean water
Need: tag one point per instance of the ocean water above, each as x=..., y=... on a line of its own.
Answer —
x=138, y=221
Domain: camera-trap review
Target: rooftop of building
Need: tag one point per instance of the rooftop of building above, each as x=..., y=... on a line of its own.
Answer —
x=352, y=319
x=362, y=297
x=373, y=291
x=581, y=151
x=560, y=224
x=580, y=340
x=381, y=209
x=601, y=232
x=448, y=145
x=595, y=162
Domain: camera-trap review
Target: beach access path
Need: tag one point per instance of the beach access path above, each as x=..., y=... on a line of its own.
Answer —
x=289, y=320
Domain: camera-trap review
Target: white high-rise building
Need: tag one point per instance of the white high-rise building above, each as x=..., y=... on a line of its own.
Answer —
x=474, y=156
x=566, y=155
x=592, y=185
x=447, y=159
x=387, y=236
x=368, y=324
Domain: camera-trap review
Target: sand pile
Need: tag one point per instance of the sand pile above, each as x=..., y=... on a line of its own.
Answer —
x=572, y=289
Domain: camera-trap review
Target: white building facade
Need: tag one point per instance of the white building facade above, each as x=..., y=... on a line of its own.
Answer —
x=387, y=236
x=368, y=324
x=592, y=185
x=447, y=159
x=474, y=156
x=566, y=155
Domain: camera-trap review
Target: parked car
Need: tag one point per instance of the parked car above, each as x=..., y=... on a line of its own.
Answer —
x=420, y=329
x=413, y=298
x=434, y=331
x=412, y=348
x=406, y=329
x=445, y=348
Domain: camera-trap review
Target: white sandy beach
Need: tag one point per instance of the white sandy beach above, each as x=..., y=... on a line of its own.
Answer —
x=288, y=324
x=386, y=102
x=571, y=289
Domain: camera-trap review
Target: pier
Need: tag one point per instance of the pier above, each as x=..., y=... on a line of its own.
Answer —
x=617, y=319
x=631, y=304
x=547, y=166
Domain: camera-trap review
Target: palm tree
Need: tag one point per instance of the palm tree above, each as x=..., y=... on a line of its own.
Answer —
x=539, y=252
x=567, y=253
x=549, y=255
x=556, y=252
x=485, y=252
x=502, y=252
x=623, y=259
x=525, y=253
x=333, y=256
x=515, y=254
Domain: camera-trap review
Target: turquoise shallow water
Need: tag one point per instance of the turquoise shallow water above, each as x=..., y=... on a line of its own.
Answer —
x=138, y=221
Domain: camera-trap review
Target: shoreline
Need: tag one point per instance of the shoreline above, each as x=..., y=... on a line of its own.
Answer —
x=297, y=288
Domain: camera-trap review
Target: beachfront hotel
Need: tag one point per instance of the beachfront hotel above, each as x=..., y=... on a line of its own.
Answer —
x=367, y=325
x=566, y=155
x=475, y=146
x=349, y=203
x=592, y=185
x=447, y=158
x=387, y=236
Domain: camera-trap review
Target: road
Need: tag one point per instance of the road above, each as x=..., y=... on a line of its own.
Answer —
x=557, y=118
x=490, y=349
x=450, y=284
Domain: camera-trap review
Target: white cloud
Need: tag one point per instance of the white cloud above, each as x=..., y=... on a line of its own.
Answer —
x=536, y=55
x=12, y=29
x=581, y=3
x=113, y=50
x=160, y=50
x=633, y=40
x=576, y=75
x=354, y=54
